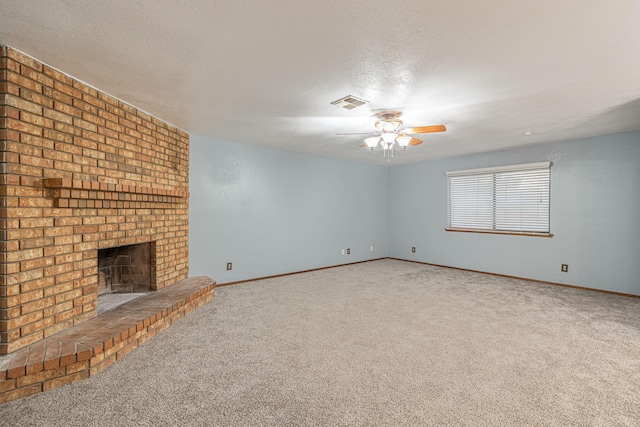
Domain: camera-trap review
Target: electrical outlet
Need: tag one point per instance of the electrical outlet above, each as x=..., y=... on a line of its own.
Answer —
x=371, y=248
x=565, y=268
x=342, y=252
x=413, y=249
x=348, y=251
x=229, y=266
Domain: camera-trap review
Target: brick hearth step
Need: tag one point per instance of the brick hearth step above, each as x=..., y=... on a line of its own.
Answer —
x=87, y=348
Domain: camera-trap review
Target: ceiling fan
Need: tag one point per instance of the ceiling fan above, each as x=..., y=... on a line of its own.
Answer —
x=391, y=135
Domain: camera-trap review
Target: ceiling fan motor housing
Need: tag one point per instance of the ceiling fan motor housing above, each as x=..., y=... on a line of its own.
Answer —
x=391, y=125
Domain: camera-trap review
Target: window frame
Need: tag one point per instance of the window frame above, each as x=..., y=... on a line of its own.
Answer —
x=493, y=172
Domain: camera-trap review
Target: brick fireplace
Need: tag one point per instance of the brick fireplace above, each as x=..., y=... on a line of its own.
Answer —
x=82, y=172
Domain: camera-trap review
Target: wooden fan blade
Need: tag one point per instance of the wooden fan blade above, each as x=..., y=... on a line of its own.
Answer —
x=364, y=144
x=415, y=141
x=425, y=129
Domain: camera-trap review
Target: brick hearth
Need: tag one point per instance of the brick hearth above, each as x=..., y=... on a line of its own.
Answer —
x=86, y=349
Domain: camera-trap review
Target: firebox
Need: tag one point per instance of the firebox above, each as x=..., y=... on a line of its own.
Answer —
x=125, y=269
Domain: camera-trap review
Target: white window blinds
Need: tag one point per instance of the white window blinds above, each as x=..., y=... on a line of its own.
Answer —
x=504, y=199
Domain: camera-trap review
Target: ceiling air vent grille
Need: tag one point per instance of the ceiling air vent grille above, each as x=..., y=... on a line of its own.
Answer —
x=349, y=102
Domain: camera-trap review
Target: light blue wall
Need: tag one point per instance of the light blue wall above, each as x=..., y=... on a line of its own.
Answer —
x=595, y=216
x=273, y=212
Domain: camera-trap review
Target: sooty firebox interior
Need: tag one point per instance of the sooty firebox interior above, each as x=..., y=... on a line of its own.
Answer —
x=125, y=269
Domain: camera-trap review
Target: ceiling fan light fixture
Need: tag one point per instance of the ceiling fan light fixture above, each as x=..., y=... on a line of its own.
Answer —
x=389, y=137
x=372, y=142
x=392, y=135
x=403, y=140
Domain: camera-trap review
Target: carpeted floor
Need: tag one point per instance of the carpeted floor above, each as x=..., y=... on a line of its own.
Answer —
x=379, y=343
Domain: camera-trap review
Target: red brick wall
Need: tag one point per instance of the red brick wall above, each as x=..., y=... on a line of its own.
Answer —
x=81, y=171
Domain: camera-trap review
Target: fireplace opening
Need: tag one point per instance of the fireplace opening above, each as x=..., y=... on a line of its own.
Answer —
x=125, y=269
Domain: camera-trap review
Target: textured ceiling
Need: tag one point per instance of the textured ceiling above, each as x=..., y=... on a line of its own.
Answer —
x=265, y=72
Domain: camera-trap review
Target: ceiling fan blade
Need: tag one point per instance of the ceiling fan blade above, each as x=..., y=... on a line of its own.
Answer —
x=425, y=129
x=415, y=141
x=358, y=133
x=364, y=144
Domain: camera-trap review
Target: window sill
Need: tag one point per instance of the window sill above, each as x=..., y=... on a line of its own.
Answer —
x=509, y=233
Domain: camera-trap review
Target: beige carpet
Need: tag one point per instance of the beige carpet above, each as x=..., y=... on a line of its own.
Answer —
x=379, y=343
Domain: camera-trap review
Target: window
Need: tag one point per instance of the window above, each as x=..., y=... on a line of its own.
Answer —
x=508, y=199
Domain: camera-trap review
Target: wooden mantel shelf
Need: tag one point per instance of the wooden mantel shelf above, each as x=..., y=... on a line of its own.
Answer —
x=71, y=192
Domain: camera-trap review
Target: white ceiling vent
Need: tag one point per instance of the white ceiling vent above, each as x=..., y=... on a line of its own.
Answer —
x=349, y=102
